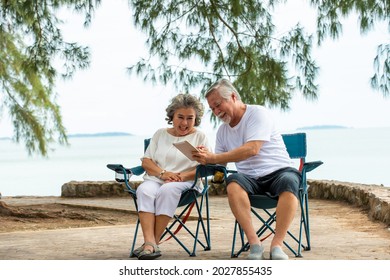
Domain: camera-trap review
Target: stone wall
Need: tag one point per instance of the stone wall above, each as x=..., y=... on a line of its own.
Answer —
x=94, y=189
x=373, y=198
x=112, y=189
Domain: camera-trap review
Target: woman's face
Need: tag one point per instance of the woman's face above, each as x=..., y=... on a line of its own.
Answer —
x=184, y=121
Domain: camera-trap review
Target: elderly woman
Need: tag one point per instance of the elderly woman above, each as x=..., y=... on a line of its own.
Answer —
x=168, y=171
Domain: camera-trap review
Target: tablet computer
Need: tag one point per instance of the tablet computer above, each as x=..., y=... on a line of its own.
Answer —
x=186, y=148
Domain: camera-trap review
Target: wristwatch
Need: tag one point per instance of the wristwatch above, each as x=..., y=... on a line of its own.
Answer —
x=161, y=173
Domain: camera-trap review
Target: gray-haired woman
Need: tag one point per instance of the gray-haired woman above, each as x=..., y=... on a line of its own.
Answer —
x=168, y=171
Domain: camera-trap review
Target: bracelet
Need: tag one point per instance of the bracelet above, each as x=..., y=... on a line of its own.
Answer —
x=161, y=173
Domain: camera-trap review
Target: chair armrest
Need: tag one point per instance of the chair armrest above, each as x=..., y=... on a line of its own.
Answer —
x=119, y=168
x=309, y=166
x=215, y=170
x=204, y=171
x=137, y=170
x=126, y=173
x=208, y=170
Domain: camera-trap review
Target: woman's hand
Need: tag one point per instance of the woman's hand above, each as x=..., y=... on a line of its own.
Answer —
x=171, y=177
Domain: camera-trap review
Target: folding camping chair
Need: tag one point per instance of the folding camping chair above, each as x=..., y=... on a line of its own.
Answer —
x=189, y=199
x=296, y=147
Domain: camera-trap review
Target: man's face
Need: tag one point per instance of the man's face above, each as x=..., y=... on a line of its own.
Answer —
x=220, y=107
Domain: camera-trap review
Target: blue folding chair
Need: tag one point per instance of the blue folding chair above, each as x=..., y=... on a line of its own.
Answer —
x=189, y=199
x=297, y=149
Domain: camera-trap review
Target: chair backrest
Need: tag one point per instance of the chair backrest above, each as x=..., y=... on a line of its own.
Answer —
x=296, y=146
x=146, y=143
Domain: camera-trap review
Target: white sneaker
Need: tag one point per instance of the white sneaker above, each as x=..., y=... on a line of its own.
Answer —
x=256, y=252
x=278, y=254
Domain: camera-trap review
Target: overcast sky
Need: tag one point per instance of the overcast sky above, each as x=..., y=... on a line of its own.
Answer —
x=105, y=98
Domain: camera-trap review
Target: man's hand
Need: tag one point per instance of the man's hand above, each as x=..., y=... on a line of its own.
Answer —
x=203, y=156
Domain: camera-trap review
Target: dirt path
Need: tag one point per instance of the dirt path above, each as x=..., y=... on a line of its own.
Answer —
x=58, y=216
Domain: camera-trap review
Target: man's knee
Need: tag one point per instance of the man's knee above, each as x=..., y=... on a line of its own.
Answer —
x=233, y=188
x=288, y=198
x=288, y=195
x=236, y=193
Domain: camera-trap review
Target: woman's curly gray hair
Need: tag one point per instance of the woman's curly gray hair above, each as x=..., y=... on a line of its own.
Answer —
x=185, y=101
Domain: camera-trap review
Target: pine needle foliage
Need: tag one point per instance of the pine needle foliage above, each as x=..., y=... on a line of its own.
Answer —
x=30, y=42
x=370, y=13
x=194, y=42
x=191, y=43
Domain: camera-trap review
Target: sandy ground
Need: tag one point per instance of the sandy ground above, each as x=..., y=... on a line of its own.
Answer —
x=33, y=217
x=100, y=228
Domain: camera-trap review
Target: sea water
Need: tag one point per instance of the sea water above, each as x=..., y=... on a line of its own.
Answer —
x=359, y=155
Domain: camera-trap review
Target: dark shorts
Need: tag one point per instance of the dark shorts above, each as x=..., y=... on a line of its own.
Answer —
x=283, y=180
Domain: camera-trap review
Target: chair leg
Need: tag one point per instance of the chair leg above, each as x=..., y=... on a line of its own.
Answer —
x=134, y=239
x=244, y=245
x=179, y=242
x=200, y=226
x=303, y=225
x=241, y=232
x=267, y=225
x=136, y=229
x=208, y=236
x=177, y=220
x=307, y=224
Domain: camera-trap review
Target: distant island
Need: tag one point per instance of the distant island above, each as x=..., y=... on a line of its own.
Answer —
x=81, y=135
x=102, y=134
x=322, y=127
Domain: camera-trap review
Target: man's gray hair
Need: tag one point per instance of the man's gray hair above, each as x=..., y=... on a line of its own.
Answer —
x=225, y=88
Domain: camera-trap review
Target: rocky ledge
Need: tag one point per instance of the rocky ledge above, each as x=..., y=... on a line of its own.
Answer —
x=373, y=198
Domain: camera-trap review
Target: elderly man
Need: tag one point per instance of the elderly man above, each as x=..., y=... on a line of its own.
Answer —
x=248, y=137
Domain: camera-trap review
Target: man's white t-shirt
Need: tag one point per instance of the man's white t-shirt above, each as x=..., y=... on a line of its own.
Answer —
x=256, y=124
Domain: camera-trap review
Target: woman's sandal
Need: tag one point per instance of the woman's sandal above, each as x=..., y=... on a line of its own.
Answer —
x=148, y=254
x=137, y=251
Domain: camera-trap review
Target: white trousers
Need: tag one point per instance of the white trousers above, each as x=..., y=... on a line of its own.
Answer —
x=160, y=199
